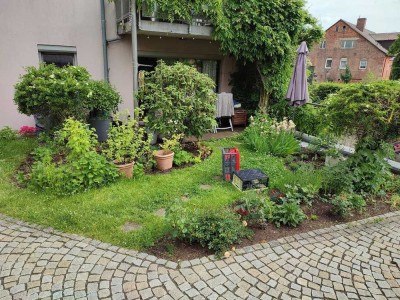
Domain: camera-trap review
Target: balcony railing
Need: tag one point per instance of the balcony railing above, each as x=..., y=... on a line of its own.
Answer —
x=152, y=21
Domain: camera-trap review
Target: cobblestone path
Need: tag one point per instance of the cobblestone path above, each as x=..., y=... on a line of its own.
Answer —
x=360, y=260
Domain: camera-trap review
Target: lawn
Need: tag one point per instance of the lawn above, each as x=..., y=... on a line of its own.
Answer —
x=102, y=213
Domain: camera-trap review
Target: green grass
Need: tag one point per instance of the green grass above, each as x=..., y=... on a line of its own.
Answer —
x=101, y=213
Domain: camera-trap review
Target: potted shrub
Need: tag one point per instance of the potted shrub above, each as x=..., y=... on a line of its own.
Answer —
x=125, y=139
x=102, y=101
x=53, y=94
x=165, y=157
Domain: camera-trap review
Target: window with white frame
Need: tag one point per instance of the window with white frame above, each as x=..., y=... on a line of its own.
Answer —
x=347, y=44
x=328, y=63
x=343, y=63
x=363, y=64
x=58, y=55
x=322, y=45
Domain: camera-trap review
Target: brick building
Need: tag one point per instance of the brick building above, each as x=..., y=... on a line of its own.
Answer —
x=347, y=44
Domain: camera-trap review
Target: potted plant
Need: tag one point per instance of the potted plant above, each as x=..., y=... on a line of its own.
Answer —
x=165, y=157
x=125, y=139
x=102, y=101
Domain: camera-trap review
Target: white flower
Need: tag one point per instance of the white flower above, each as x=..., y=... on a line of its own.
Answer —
x=227, y=254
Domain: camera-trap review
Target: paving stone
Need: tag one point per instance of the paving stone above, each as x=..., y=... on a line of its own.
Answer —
x=352, y=261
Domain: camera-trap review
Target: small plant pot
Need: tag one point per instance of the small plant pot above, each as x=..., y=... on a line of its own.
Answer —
x=126, y=170
x=164, y=160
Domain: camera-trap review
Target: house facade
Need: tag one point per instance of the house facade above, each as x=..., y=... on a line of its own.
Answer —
x=98, y=35
x=346, y=44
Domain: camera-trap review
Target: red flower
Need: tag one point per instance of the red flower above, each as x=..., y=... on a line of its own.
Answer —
x=27, y=129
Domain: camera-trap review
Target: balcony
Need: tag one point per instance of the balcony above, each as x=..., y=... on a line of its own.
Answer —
x=151, y=22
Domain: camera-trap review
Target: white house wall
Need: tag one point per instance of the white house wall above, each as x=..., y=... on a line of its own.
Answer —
x=26, y=23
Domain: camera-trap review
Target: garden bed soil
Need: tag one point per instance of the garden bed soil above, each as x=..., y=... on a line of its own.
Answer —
x=176, y=250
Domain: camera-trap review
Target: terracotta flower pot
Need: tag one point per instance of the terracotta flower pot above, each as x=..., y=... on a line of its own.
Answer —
x=126, y=169
x=164, y=159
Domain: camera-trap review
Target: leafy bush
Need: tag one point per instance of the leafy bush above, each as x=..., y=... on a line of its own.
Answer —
x=289, y=214
x=271, y=137
x=254, y=208
x=365, y=172
x=81, y=168
x=7, y=133
x=126, y=140
x=301, y=194
x=178, y=99
x=216, y=229
x=182, y=157
x=103, y=99
x=395, y=200
x=53, y=93
x=369, y=111
x=309, y=119
x=345, y=203
x=319, y=92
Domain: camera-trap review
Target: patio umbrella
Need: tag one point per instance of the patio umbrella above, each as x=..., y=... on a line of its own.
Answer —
x=297, y=93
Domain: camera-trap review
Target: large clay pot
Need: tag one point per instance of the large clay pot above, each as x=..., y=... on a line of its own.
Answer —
x=126, y=169
x=164, y=159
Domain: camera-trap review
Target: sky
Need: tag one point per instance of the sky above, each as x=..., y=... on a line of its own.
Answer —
x=382, y=15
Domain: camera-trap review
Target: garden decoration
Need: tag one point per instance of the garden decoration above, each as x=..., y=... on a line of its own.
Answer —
x=230, y=162
x=297, y=93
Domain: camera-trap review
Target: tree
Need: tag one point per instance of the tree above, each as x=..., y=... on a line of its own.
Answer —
x=395, y=51
x=266, y=32
x=346, y=75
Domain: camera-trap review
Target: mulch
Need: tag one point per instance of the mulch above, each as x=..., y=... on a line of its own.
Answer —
x=177, y=250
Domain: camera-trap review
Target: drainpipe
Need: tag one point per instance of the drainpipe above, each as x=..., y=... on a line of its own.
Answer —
x=104, y=40
x=134, y=52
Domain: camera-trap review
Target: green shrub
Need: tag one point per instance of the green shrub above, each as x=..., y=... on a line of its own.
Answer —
x=395, y=200
x=71, y=164
x=371, y=112
x=319, y=92
x=309, y=119
x=301, y=194
x=126, y=140
x=103, y=99
x=365, y=172
x=53, y=93
x=254, y=208
x=178, y=99
x=182, y=157
x=268, y=136
x=288, y=214
x=7, y=133
x=345, y=203
x=216, y=229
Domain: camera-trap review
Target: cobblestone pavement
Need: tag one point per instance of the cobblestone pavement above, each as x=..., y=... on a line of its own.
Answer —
x=360, y=260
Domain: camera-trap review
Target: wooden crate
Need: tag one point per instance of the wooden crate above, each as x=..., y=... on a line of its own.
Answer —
x=240, y=117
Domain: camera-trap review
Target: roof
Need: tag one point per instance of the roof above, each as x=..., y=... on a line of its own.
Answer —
x=388, y=36
x=370, y=35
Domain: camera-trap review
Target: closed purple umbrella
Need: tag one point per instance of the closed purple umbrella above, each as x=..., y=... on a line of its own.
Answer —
x=297, y=93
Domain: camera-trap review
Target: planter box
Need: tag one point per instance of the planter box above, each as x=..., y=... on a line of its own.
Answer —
x=240, y=117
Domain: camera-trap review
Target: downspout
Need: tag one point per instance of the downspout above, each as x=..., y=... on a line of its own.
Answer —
x=134, y=52
x=104, y=41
